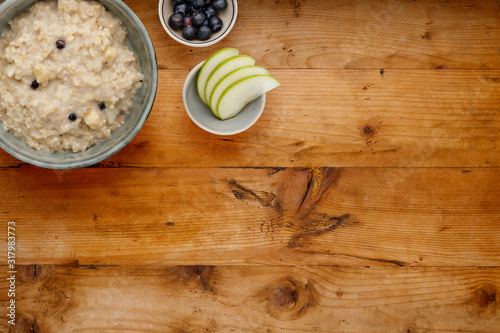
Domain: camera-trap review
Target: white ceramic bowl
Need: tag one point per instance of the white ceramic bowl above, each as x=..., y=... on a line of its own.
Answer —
x=228, y=17
x=141, y=44
x=202, y=116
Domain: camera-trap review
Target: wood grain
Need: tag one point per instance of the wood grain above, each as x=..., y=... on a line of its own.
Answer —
x=342, y=118
x=255, y=299
x=355, y=34
x=326, y=216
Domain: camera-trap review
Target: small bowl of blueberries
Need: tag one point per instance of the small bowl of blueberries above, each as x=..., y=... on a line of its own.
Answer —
x=198, y=23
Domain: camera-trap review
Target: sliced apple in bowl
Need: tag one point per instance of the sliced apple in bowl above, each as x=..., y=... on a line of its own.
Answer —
x=231, y=78
x=209, y=65
x=225, y=67
x=204, y=118
x=228, y=81
x=241, y=92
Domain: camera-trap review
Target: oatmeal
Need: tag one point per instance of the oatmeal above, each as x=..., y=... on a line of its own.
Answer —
x=67, y=76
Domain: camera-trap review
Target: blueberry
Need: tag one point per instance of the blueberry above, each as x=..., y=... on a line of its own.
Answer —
x=210, y=11
x=34, y=84
x=207, y=2
x=215, y=23
x=102, y=106
x=198, y=18
x=205, y=22
x=178, y=2
x=187, y=21
x=72, y=117
x=219, y=4
x=60, y=43
x=199, y=3
x=176, y=21
x=181, y=9
x=189, y=32
x=204, y=33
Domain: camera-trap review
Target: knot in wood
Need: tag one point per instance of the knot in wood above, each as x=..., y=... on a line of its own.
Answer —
x=284, y=297
x=27, y=323
x=427, y=35
x=369, y=131
x=289, y=300
x=191, y=273
x=486, y=296
x=484, y=302
x=29, y=273
x=195, y=277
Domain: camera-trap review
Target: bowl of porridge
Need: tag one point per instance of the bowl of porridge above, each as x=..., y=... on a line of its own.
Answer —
x=78, y=79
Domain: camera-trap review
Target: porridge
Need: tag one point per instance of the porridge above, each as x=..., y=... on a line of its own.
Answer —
x=67, y=76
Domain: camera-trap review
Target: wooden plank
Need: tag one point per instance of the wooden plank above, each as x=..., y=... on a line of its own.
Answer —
x=342, y=118
x=255, y=299
x=327, y=216
x=348, y=34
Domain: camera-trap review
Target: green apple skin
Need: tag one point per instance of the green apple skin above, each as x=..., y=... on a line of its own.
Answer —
x=208, y=67
x=242, y=92
x=231, y=78
x=222, y=69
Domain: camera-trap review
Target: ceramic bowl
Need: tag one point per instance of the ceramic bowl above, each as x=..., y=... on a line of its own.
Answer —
x=202, y=116
x=141, y=44
x=228, y=17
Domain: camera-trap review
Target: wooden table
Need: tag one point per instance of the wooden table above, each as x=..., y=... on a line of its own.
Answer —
x=365, y=199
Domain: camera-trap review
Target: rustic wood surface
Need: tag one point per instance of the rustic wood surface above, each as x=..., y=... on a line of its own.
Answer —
x=257, y=299
x=365, y=199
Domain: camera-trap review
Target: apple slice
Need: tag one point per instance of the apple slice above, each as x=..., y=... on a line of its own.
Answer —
x=208, y=67
x=242, y=92
x=231, y=78
x=222, y=69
